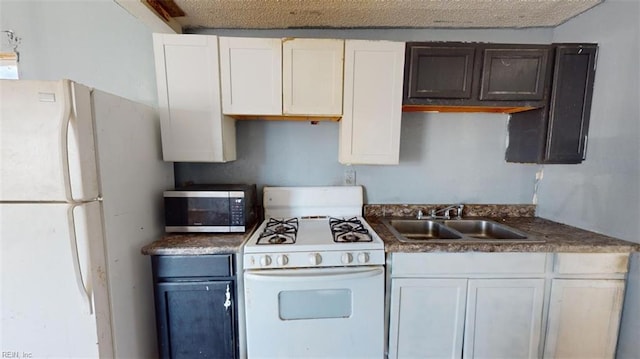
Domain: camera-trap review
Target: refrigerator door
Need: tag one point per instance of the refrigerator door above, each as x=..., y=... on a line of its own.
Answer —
x=47, y=146
x=49, y=280
x=133, y=177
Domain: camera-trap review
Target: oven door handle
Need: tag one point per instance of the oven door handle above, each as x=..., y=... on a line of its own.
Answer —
x=314, y=274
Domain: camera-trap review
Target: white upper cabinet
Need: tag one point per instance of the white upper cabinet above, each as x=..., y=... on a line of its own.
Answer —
x=275, y=77
x=370, y=126
x=192, y=125
x=312, y=76
x=251, y=74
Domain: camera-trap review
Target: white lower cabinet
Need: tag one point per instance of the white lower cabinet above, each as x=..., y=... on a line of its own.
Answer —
x=505, y=305
x=427, y=318
x=503, y=318
x=497, y=318
x=585, y=305
x=584, y=316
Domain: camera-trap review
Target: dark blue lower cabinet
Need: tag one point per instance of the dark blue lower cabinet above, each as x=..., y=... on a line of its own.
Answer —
x=195, y=306
x=196, y=319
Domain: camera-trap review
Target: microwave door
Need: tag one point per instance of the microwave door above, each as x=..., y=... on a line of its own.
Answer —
x=203, y=211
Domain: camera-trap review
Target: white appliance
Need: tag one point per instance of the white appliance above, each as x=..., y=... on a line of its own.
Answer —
x=314, y=277
x=81, y=181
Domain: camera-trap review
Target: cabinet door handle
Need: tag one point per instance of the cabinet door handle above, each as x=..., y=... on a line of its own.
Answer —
x=227, y=302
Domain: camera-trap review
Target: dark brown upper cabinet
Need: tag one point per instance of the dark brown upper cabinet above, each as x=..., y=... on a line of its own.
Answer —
x=514, y=74
x=476, y=77
x=440, y=72
x=558, y=132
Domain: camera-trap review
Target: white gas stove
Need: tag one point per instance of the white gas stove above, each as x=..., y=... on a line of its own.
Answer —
x=314, y=277
x=313, y=227
x=298, y=242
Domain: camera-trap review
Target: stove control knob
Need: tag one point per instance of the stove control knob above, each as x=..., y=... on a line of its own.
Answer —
x=282, y=260
x=315, y=259
x=347, y=258
x=363, y=257
x=265, y=261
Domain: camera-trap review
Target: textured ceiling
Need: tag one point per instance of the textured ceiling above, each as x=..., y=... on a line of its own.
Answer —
x=282, y=14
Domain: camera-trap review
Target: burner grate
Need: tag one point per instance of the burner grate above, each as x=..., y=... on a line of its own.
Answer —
x=349, y=230
x=279, y=231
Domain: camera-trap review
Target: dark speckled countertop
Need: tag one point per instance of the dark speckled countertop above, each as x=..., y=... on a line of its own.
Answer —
x=198, y=243
x=549, y=236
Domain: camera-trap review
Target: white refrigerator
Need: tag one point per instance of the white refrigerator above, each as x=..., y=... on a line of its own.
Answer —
x=81, y=181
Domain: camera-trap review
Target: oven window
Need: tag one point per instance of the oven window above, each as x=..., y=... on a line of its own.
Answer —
x=315, y=304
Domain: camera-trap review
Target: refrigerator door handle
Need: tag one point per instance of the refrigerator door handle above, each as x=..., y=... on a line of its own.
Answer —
x=64, y=143
x=85, y=291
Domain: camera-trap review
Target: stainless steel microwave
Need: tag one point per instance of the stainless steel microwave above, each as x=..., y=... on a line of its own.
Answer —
x=210, y=208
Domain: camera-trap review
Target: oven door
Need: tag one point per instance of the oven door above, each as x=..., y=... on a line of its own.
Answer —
x=316, y=312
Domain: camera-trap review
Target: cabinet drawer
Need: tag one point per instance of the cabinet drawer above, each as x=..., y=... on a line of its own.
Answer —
x=591, y=263
x=192, y=266
x=467, y=263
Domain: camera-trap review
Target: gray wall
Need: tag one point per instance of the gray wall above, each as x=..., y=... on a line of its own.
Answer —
x=603, y=193
x=443, y=157
x=96, y=43
x=99, y=44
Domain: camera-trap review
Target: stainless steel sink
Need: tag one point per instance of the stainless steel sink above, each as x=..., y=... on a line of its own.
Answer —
x=484, y=229
x=420, y=230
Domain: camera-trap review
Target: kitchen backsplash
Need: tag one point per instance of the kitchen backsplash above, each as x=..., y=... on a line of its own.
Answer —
x=470, y=210
x=444, y=158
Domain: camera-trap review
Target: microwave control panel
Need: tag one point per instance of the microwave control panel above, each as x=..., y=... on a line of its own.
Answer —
x=237, y=211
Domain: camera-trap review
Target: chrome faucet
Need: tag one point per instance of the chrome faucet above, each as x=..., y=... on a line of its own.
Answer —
x=459, y=207
x=420, y=214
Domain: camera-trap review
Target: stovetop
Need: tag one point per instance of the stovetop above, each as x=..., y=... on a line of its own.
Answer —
x=313, y=242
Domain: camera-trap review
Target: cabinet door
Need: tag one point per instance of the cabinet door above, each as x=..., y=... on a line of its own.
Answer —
x=503, y=318
x=370, y=126
x=251, y=76
x=427, y=318
x=514, y=74
x=439, y=72
x=195, y=319
x=570, y=105
x=193, y=128
x=584, y=316
x=312, y=76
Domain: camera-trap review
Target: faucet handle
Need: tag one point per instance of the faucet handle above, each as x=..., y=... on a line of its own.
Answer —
x=447, y=213
x=420, y=214
x=460, y=209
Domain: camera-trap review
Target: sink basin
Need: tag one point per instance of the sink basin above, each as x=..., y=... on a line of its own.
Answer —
x=421, y=230
x=483, y=229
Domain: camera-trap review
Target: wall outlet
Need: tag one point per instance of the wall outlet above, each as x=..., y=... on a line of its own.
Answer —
x=349, y=176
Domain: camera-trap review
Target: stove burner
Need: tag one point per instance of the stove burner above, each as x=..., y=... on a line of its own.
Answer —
x=349, y=230
x=279, y=231
x=350, y=237
x=277, y=239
